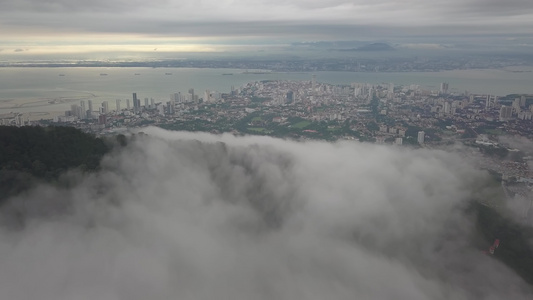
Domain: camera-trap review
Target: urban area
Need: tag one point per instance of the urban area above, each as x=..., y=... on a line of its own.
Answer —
x=305, y=110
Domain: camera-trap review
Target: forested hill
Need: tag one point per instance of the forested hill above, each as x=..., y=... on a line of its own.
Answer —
x=44, y=152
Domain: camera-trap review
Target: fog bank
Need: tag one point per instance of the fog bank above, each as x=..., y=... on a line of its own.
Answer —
x=179, y=215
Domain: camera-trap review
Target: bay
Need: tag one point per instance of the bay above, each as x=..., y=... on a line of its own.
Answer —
x=47, y=91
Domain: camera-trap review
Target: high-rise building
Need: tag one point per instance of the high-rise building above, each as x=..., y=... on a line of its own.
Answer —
x=83, y=110
x=516, y=104
x=171, y=106
x=118, y=105
x=447, y=107
x=136, y=103
x=444, y=88
x=290, y=97
x=177, y=97
x=90, y=111
x=105, y=107
x=371, y=94
x=505, y=113
x=146, y=103
x=421, y=137
x=74, y=109
x=523, y=101
x=128, y=105
x=191, y=91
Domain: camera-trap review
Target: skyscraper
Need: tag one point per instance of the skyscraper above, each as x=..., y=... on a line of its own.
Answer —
x=421, y=136
x=444, y=88
x=90, y=111
x=136, y=103
x=290, y=97
x=505, y=113
x=447, y=107
x=191, y=91
x=74, y=110
x=105, y=107
x=83, y=110
x=522, y=101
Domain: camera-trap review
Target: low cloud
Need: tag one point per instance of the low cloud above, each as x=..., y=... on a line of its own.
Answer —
x=197, y=216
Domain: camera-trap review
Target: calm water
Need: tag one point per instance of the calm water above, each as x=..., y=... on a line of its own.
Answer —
x=30, y=89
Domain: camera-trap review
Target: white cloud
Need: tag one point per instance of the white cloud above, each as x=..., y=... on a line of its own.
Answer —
x=197, y=216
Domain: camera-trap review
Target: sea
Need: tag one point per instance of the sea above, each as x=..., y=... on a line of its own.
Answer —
x=42, y=92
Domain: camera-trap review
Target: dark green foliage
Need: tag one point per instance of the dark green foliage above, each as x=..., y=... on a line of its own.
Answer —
x=372, y=126
x=494, y=151
x=122, y=140
x=515, y=249
x=44, y=153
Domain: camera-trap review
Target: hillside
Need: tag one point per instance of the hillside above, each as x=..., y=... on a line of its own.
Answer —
x=43, y=153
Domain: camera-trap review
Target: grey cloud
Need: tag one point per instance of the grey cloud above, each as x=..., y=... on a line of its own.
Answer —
x=260, y=30
x=198, y=216
x=273, y=18
x=495, y=7
x=72, y=5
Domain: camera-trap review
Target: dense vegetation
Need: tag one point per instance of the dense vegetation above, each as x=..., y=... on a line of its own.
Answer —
x=28, y=153
x=515, y=248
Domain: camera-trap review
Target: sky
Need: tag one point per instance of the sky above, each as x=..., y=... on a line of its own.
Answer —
x=181, y=215
x=74, y=26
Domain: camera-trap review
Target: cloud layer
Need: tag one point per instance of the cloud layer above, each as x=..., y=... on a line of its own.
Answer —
x=197, y=216
x=26, y=21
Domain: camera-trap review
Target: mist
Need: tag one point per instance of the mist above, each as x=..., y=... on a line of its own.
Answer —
x=177, y=215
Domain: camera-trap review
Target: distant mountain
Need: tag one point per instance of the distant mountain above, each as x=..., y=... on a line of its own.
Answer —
x=331, y=44
x=372, y=47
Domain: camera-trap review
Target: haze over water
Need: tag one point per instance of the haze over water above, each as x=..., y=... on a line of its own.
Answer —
x=30, y=89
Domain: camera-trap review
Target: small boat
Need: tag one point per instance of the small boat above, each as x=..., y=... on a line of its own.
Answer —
x=168, y=73
x=103, y=74
x=227, y=74
x=137, y=74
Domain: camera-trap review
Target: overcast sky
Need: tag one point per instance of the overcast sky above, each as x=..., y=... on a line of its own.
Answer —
x=197, y=25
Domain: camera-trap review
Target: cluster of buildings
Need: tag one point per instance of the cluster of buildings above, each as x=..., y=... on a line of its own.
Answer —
x=383, y=113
